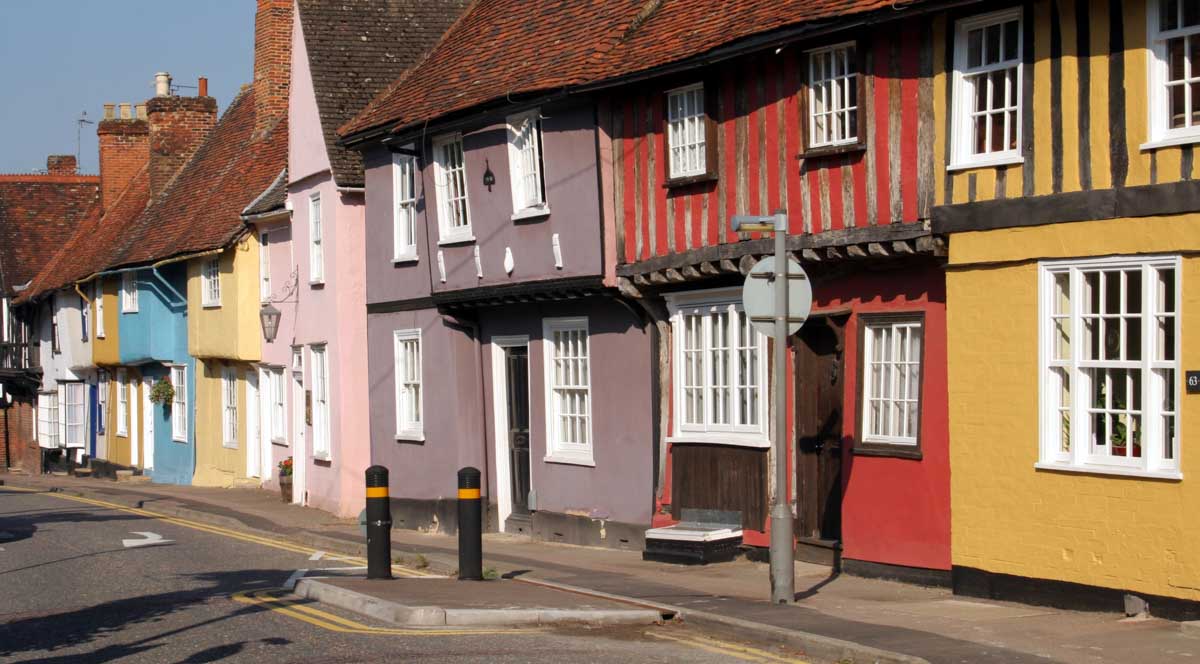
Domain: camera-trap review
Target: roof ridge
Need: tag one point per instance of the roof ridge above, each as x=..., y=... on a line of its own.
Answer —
x=49, y=178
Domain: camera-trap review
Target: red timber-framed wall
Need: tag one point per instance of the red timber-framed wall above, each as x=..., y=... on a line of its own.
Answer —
x=859, y=223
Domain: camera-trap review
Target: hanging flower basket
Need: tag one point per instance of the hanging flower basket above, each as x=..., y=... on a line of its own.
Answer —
x=162, y=393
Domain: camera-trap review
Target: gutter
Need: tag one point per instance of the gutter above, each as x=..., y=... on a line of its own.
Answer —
x=266, y=216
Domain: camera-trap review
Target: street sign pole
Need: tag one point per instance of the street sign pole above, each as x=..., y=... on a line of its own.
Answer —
x=782, y=553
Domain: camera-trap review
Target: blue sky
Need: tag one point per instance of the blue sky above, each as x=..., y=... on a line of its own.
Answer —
x=61, y=57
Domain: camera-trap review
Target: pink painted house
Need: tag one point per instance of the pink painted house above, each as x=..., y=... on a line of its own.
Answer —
x=313, y=378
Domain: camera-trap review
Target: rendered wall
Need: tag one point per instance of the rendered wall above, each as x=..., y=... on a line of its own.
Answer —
x=233, y=330
x=1116, y=532
x=106, y=350
x=217, y=465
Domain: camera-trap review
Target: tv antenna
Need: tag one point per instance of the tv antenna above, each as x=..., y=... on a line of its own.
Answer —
x=83, y=119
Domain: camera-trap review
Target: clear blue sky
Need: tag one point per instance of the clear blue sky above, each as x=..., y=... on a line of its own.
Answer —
x=61, y=57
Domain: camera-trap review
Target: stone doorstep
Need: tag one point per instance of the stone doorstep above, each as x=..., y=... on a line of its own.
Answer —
x=436, y=616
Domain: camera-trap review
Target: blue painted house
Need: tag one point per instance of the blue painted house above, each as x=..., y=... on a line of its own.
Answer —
x=154, y=346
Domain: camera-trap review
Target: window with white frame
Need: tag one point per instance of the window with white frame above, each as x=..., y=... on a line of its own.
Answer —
x=210, y=283
x=687, y=132
x=316, y=248
x=48, y=419
x=1110, y=365
x=229, y=407
x=85, y=315
x=719, y=369
x=568, y=390
x=55, y=342
x=986, y=127
x=264, y=267
x=404, y=190
x=179, y=404
x=408, y=385
x=129, y=293
x=99, y=300
x=525, y=164
x=450, y=178
x=122, y=403
x=320, y=383
x=891, y=397
x=833, y=96
x=101, y=401
x=1174, y=71
x=278, y=417
x=75, y=417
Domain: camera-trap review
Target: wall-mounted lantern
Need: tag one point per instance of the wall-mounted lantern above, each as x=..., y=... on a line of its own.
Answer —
x=269, y=316
x=489, y=178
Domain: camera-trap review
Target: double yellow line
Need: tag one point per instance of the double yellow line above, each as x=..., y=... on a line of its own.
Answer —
x=735, y=650
x=225, y=532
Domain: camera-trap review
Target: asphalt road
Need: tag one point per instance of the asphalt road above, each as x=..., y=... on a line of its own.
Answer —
x=72, y=591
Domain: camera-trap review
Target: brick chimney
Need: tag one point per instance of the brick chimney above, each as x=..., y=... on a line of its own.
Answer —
x=124, y=148
x=61, y=164
x=272, y=62
x=178, y=126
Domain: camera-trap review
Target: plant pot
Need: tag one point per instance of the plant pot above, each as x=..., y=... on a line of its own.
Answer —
x=285, y=488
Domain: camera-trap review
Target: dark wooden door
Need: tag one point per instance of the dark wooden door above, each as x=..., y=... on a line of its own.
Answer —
x=517, y=366
x=819, y=410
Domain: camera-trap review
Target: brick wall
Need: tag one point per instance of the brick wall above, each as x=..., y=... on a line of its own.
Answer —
x=124, y=149
x=272, y=61
x=178, y=126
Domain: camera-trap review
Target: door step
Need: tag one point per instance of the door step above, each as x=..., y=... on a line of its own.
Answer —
x=132, y=476
x=819, y=551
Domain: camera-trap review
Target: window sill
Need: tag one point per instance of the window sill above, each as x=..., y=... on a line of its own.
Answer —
x=836, y=149
x=1170, y=142
x=895, y=450
x=279, y=441
x=686, y=180
x=571, y=460
x=212, y=306
x=988, y=162
x=735, y=439
x=406, y=258
x=450, y=241
x=323, y=458
x=179, y=440
x=1173, y=475
x=410, y=437
x=319, y=283
x=531, y=213
x=229, y=446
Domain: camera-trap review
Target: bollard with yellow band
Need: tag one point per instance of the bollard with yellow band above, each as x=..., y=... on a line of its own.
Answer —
x=379, y=524
x=470, y=526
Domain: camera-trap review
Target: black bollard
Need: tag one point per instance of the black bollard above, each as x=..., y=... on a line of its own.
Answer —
x=379, y=524
x=470, y=526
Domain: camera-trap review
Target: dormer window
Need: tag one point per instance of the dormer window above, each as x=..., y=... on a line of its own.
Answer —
x=525, y=165
x=450, y=178
x=691, y=144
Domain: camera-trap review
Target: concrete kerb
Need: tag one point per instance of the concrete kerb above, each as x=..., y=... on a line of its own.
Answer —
x=817, y=646
x=436, y=616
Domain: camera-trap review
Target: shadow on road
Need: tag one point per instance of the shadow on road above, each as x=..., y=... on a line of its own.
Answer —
x=44, y=634
x=17, y=526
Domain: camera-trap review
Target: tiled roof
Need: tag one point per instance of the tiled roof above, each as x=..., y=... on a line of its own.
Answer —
x=201, y=208
x=90, y=248
x=502, y=49
x=274, y=198
x=355, y=48
x=38, y=214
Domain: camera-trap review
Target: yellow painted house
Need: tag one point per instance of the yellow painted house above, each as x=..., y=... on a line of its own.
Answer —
x=224, y=335
x=119, y=388
x=1066, y=185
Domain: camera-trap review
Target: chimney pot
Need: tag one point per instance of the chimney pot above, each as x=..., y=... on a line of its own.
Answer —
x=140, y=111
x=110, y=111
x=126, y=111
x=202, y=86
x=162, y=84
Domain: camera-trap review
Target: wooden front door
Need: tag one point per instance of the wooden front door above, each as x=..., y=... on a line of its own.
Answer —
x=819, y=387
x=516, y=360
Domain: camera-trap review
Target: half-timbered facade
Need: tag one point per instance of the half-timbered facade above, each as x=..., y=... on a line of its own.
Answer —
x=835, y=128
x=1072, y=239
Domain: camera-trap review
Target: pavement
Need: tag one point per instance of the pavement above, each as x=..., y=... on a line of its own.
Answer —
x=84, y=580
x=836, y=617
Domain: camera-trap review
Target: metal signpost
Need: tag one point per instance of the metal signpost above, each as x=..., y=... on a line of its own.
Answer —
x=772, y=280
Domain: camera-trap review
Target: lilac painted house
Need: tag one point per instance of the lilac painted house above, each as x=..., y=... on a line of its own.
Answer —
x=496, y=336
x=313, y=374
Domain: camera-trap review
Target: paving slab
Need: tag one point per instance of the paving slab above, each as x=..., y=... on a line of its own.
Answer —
x=435, y=602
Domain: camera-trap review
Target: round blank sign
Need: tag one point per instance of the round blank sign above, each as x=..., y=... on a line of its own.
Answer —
x=758, y=296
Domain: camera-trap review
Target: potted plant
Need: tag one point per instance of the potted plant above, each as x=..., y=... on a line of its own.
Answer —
x=285, y=480
x=162, y=393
